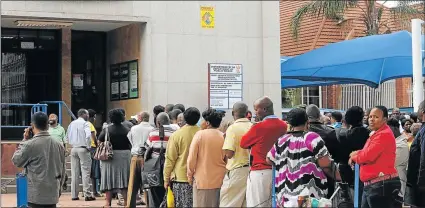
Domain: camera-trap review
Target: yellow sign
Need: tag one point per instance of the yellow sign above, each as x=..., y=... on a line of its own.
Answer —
x=207, y=17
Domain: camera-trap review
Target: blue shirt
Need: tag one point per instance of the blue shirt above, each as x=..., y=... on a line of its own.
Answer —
x=337, y=125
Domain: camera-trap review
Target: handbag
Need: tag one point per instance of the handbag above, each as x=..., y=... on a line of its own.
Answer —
x=104, y=151
x=152, y=172
x=344, y=196
x=168, y=201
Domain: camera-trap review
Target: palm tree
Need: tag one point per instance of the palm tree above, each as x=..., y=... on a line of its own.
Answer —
x=371, y=14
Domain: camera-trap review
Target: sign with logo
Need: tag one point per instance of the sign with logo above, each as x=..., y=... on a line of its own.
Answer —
x=225, y=85
x=207, y=17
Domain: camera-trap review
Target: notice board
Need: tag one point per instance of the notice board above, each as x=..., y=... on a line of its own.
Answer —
x=225, y=85
x=124, y=82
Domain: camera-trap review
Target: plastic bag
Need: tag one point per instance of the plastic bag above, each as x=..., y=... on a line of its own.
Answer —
x=170, y=197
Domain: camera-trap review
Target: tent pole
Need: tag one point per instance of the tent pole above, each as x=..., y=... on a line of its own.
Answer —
x=418, y=87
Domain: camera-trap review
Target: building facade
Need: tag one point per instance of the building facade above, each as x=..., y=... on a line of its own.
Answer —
x=87, y=53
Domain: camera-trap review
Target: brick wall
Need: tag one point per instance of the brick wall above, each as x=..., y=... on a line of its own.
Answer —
x=7, y=167
x=331, y=96
x=402, y=94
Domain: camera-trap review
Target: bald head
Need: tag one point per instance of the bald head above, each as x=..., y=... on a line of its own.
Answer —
x=240, y=110
x=53, y=117
x=162, y=119
x=143, y=116
x=263, y=107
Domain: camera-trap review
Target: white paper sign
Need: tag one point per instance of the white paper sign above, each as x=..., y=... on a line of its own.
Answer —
x=78, y=81
x=225, y=85
x=124, y=87
x=114, y=88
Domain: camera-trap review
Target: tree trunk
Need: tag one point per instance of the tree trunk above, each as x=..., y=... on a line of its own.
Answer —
x=371, y=19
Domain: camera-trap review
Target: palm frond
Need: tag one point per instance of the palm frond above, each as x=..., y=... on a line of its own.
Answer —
x=329, y=8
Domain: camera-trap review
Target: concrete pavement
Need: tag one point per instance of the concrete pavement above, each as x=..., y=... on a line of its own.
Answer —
x=9, y=200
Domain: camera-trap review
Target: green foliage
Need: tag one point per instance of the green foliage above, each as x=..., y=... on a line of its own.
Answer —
x=372, y=15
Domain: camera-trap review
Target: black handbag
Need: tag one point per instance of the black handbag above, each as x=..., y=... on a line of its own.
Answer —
x=152, y=171
x=344, y=197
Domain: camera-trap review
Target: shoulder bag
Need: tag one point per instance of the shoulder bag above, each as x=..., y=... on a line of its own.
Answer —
x=104, y=151
x=152, y=171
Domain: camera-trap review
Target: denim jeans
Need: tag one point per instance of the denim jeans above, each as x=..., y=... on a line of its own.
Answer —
x=382, y=194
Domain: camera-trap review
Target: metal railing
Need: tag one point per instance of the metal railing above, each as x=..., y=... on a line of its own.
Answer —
x=21, y=179
x=61, y=104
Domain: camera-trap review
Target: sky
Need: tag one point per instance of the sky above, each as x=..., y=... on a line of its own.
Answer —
x=389, y=3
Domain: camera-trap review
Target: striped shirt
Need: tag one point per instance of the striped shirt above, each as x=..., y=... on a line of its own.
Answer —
x=295, y=156
x=155, y=142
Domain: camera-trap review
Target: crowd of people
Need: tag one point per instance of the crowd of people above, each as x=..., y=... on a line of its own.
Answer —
x=214, y=162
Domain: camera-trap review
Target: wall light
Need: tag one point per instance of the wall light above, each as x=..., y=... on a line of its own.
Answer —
x=42, y=23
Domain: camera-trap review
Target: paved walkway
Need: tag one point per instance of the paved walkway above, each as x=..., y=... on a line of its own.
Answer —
x=9, y=200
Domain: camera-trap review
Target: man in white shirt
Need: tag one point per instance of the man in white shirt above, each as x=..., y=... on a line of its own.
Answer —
x=138, y=135
x=79, y=137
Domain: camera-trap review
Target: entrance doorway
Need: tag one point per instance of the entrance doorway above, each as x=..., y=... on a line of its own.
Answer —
x=30, y=74
x=88, y=66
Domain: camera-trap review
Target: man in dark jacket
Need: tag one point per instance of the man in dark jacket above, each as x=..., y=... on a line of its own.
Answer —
x=415, y=185
x=328, y=135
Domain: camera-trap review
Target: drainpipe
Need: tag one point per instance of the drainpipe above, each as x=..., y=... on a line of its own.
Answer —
x=418, y=87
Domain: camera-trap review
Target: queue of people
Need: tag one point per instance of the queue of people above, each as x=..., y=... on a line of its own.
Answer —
x=218, y=163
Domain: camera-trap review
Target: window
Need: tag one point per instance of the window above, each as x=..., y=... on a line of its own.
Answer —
x=311, y=95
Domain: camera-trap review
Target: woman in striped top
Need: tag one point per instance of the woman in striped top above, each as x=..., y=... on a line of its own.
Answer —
x=154, y=142
x=302, y=160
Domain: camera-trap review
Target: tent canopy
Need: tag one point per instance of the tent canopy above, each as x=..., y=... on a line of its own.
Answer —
x=294, y=83
x=370, y=60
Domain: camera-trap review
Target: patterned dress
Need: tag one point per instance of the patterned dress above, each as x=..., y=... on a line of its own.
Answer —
x=295, y=156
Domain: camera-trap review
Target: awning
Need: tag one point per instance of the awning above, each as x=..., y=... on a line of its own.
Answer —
x=370, y=60
x=295, y=83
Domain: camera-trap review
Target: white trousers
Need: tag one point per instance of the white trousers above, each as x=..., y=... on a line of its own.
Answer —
x=259, y=188
x=233, y=190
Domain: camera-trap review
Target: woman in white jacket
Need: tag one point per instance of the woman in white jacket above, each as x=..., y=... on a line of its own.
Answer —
x=402, y=153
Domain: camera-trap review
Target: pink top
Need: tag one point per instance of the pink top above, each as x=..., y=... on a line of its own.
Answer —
x=206, y=162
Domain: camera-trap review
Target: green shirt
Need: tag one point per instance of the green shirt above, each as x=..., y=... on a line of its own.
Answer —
x=57, y=133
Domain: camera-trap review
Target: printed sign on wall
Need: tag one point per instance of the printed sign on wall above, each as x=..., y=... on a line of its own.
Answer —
x=225, y=85
x=207, y=17
x=115, y=82
x=124, y=80
x=133, y=80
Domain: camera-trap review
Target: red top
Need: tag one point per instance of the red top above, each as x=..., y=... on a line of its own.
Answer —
x=260, y=138
x=378, y=155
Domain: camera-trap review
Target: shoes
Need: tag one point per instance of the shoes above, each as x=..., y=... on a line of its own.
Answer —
x=98, y=195
x=89, y=198
x=75, y=199
x=138, y=203
x=120, y=203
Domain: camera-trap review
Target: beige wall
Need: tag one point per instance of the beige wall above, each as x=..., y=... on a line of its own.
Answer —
x=123, y=44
